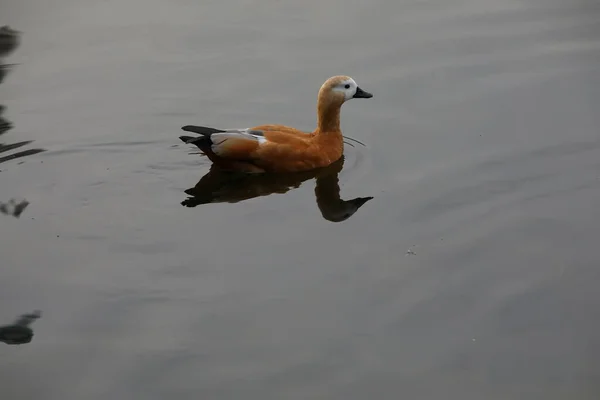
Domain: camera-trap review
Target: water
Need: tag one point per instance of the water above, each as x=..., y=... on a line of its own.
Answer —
x=472, y=272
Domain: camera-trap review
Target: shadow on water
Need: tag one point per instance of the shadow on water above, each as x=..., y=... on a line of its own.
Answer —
x=9, y=41
x=219, y=186
x=19, y=331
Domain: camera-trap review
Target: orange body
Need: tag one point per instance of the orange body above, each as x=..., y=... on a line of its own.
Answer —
x=279, y=148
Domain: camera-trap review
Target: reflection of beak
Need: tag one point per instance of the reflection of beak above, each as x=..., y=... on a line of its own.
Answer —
x=360, y=201
x=361, y=94
x=342, y=209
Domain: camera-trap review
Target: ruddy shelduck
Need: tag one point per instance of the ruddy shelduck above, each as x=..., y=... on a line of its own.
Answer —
x=279, y=148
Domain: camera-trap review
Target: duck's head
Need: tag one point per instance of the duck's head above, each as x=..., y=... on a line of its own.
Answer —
x=339, y=89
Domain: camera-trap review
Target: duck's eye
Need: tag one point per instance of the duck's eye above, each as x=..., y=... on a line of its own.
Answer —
x=347, y=86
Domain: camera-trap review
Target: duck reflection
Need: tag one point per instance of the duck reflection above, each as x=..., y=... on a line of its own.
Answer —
x=219, y=186
x=13, y=207
x=9, y=41
x=19, y=331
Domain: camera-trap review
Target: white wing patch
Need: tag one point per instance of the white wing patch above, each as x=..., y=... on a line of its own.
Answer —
x=218, y=138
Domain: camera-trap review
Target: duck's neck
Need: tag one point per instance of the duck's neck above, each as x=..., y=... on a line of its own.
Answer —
x=328, y=117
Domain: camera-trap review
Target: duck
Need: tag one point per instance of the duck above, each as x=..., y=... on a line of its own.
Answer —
x=275, y=148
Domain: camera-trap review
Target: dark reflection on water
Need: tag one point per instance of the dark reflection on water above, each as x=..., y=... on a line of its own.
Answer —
x=13, y=156
x=9, y=41
x=5, y=125
x=19, y=332
x=13, y=207
x=219, y=186
x=4, y=70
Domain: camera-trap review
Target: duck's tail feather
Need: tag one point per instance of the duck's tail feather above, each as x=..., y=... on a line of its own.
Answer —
x=189, y=139
x=201, y=130
x=201, y=142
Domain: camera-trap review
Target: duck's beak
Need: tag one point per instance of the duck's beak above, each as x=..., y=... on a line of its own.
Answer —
x=361, y=94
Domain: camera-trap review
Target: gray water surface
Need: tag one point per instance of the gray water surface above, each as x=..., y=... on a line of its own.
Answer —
x=472, y=273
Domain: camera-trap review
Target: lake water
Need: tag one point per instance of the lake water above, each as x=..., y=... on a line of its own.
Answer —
x=472, y=273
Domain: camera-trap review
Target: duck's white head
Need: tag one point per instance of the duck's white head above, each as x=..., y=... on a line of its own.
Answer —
x=342, y=88
x=333, y=93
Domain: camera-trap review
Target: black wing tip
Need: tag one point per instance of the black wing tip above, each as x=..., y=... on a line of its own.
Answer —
x=187, y=139
x=188, y=128
x=202, y=130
